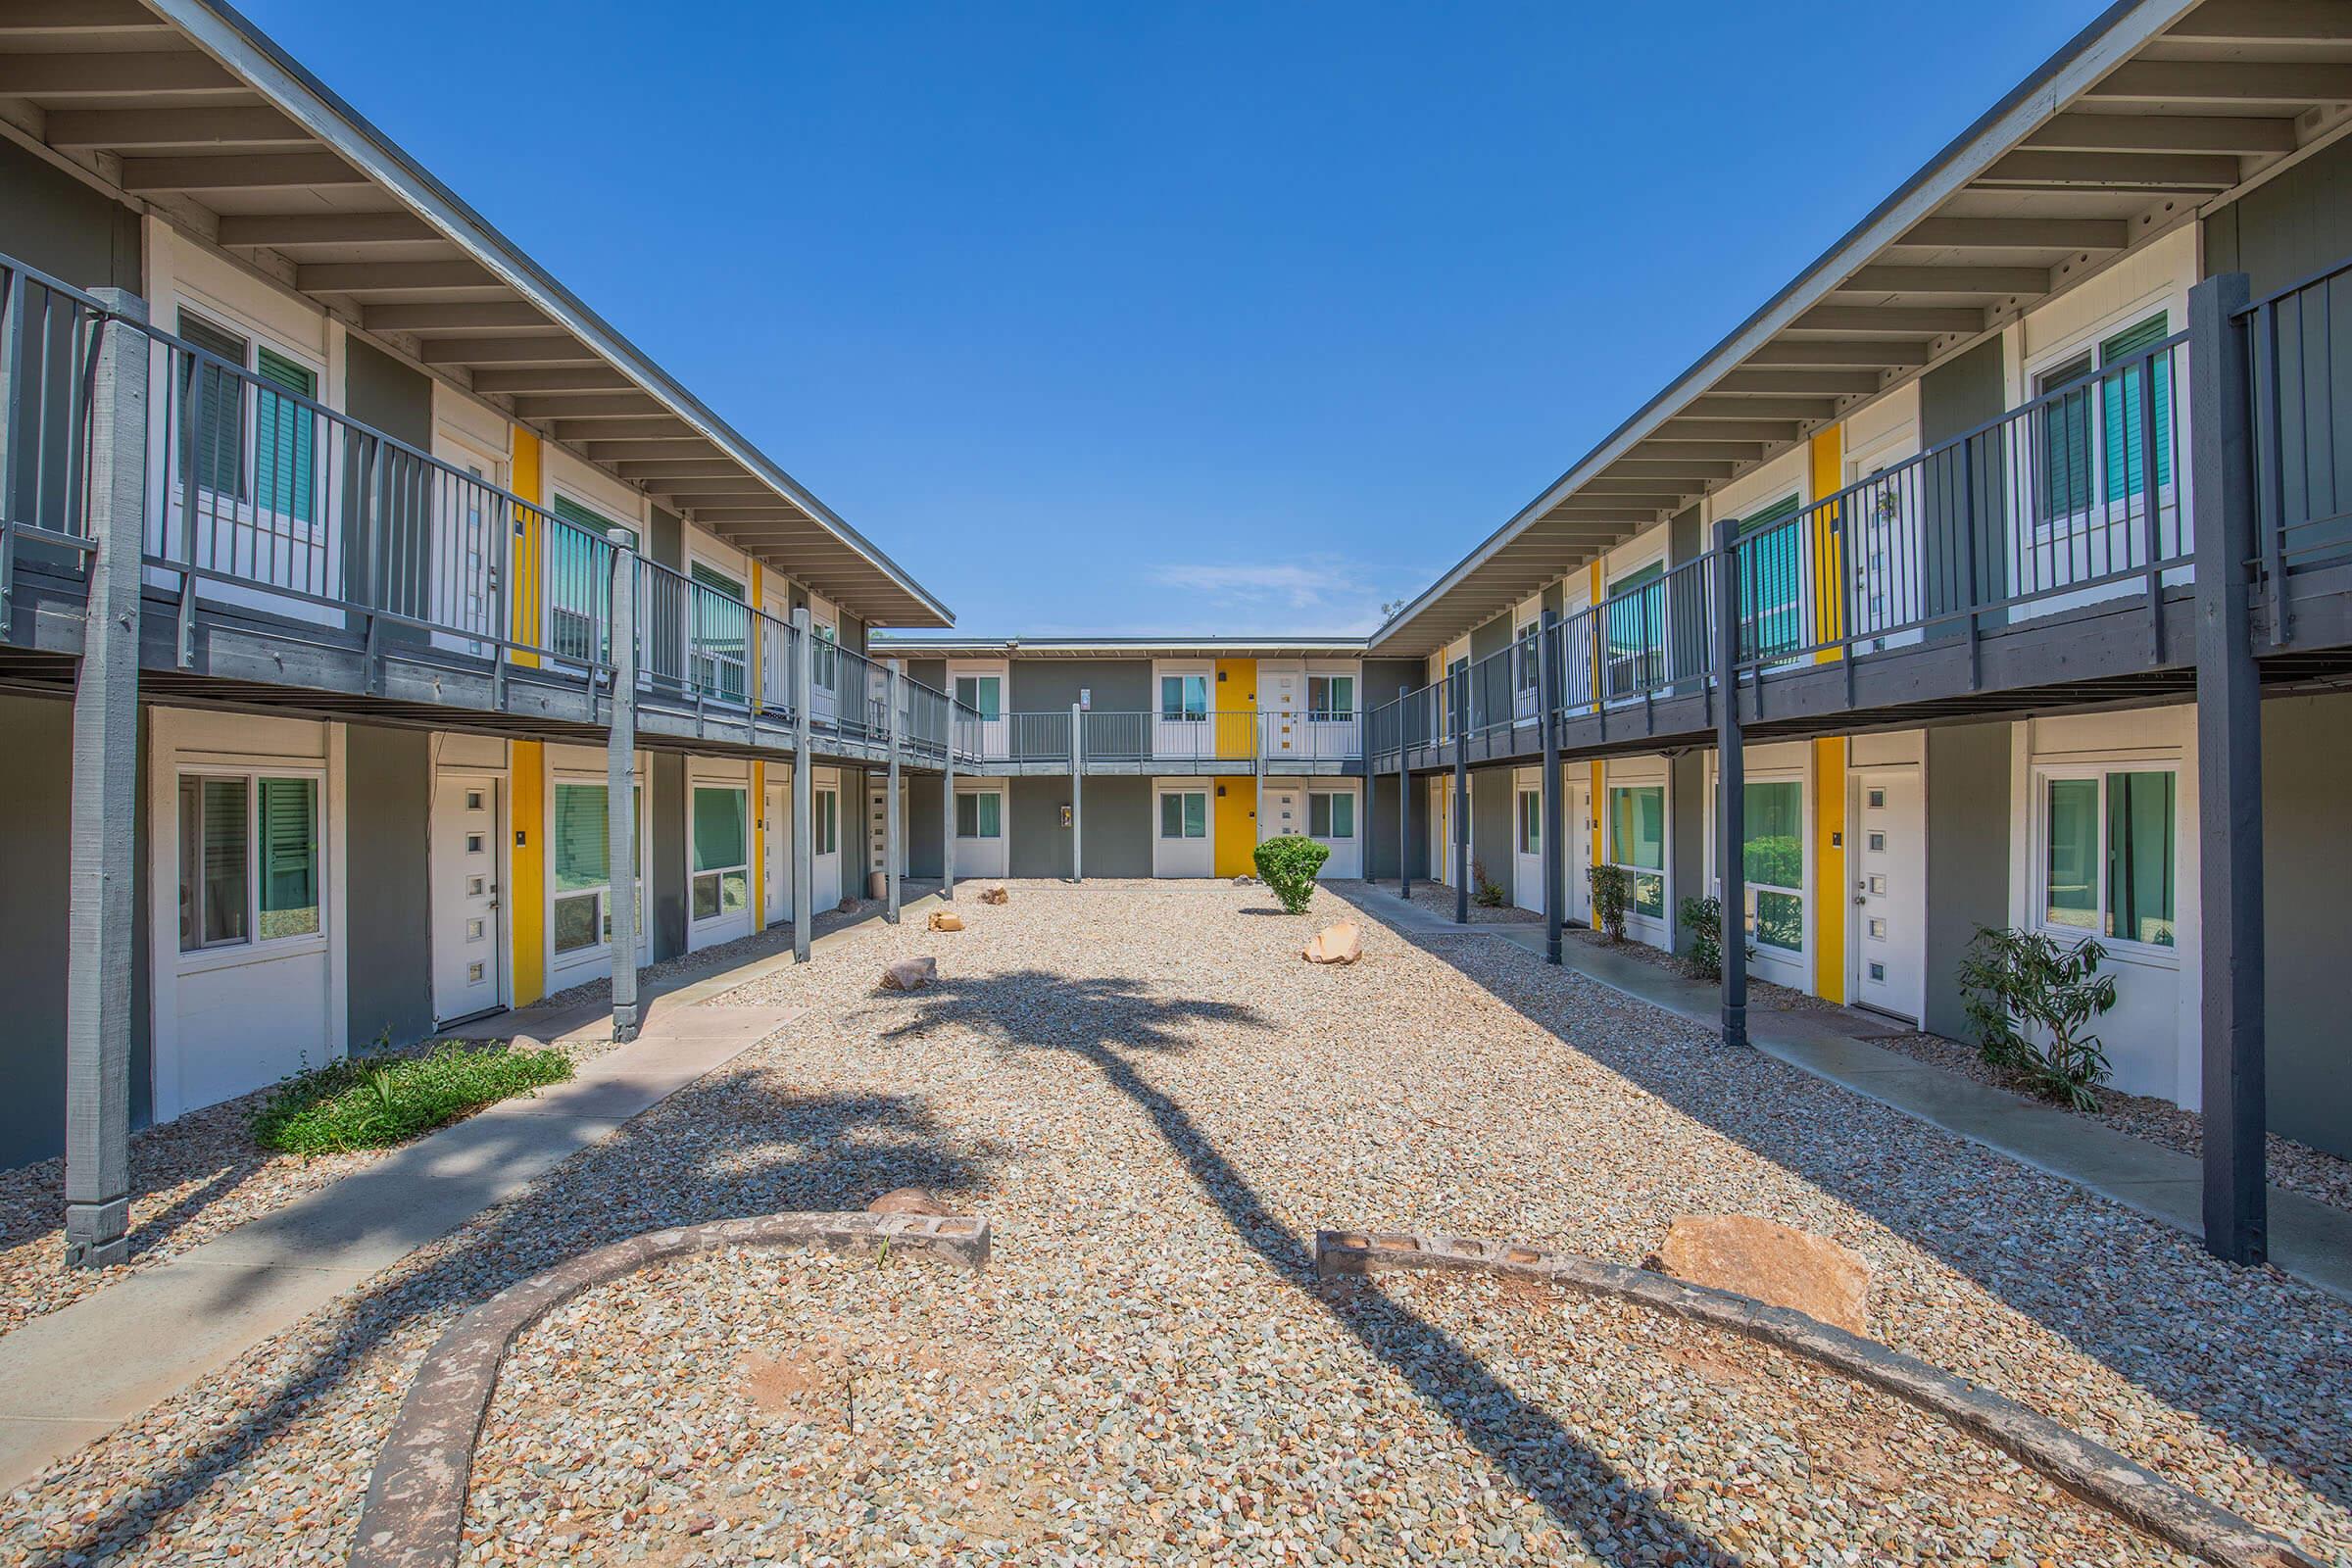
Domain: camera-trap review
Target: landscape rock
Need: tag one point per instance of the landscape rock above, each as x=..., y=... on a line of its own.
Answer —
x=1772, y=1262
x=1335, y=944
x=946, y=920
x=845, y=906
x=909, y=1201
x=994, y=893
x=909, y=974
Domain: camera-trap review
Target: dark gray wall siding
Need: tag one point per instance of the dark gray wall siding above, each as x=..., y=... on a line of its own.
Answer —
x=665, y=878
x=1968, y=856
x=1492, y=638
x=1040, y=845
x=381, y=391
x=926, y=830
x=1956, y=398
x=387, y=795
x=1118, y=825
x=853, y=631
x=1686, y=829
x=932, y=672
x=1381, y=815
x=665, y=540
x=63, y=227
x=1051, y=685
x=2288, y=228
x=1492, y=798
x=2307, y=863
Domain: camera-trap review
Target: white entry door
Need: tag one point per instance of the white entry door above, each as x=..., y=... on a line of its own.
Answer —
x=1180, y=840
x=980, y=842
x=824, y=878
x=464, y=871
x=776, y=825
x=1578, y=811
x=1888, y=820
x=1440, y=829
x=1282, y=712
x=1335, y=821
x=1527, y=848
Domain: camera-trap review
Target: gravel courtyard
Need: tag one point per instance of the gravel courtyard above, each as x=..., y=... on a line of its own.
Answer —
x=1156, y=1105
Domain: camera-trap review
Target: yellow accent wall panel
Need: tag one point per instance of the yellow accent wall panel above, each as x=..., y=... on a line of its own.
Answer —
x=1829, y=550
x=1233, y=698
x=1233, y=817
x=759, y=846
x=526, y=903
x=527, y=612
x=1600, y=797
x=1830, y=895
x=1234, y=826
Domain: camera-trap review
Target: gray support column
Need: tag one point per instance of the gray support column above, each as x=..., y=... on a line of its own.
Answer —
x=946, y=808
x=106, y=771
x=1730, y=790
x=1547, y=703
x=803, y=783
x=620, y=778
x=1458, y=684
x=1077, y=792
x=1404, y=800
x=893, y=851
x=2230, y=896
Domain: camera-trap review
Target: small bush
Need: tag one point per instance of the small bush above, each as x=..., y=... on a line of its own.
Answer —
x=2019, y=982
x=1486, y=895
x=1703, y=920
x=1288, y=864
x=1612, y=894
x=362, y=1103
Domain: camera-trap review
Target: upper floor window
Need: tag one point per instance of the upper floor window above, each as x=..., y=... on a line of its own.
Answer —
x=1330, y=697
x=2092, y=432
x=721, y=625
x=262, y=454
x=1184, y=697
x=982, y=694
x=1771, y=579
x=578, y=580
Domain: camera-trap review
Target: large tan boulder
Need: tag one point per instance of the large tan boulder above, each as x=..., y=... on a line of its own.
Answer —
x=1775, y=1264
x=1335, y=944
x=909, y=1201
x=946, y=920
x=994, y=893
x=909, y=974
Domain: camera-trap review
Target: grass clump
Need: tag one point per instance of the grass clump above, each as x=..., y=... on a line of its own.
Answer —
x=361, y=1103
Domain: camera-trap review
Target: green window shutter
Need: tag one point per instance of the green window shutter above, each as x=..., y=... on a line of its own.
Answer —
x=1343, y=817
x=580, y=849
x=2065, y=439
x=991, y=815
x=213, y=438
x=588, y=518
x=289, y=857
x=284, y=432
x=1195, y=816
x=1771, y=589
x=1633, y=624
x=2122, y=407
x=968, y=817
x=579, y=581
x=719, y=831
x=1318, y=816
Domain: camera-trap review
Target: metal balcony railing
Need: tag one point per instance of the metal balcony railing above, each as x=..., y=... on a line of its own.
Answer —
x=1193, y=740
x=264, y=505
x=2299, y=343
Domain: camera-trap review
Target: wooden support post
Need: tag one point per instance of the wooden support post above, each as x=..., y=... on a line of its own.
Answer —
x=105, y=783
x=2229, y=903
x=620, y=780
x=1554, y=847
x=893, y=851
x=1077, y=792
x=803, y=782
x=1730, y=788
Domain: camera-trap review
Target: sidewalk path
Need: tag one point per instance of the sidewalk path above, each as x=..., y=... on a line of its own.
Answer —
x=2308, y=1239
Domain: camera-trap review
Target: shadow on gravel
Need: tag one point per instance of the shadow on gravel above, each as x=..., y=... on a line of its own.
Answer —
x=1122, y=1022
x=723, y=1147
x=1969, y=1213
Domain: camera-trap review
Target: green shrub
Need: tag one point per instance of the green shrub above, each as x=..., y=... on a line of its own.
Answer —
x=363, y=1104
x=1612, y=892
x=1488, y=895
x=2018, y=982
x=1288, y=864
x=1703, y=920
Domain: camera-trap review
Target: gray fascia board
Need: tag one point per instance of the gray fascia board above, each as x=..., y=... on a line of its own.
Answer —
x=1081, y=647
x=2111, y=39
x=245, y=50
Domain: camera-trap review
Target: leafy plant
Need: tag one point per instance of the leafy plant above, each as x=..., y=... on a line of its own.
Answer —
x=363, y=1104
x=1613, y=893
x=1703, y=920
x=2030, y=999
x=1288, y=864
x=1486, y=895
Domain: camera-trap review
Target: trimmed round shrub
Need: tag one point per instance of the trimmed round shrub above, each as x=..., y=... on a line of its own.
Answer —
x=1288, y=865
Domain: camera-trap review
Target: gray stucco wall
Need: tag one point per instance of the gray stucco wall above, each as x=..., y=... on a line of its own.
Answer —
x=665, y=540
x=383, y=392
x=1492, y=638
x=1040, y=845
x=665, y=878
x=63, y=227
x=2289, y=228
x=926, y=830
x=1051, y=685
x=1686, y=848
x=1956, y=398
x=2307, y=863
x=1117, y=825
x=1380, y=815
x=1968, y=856
x=932, y=672
x=387, y=797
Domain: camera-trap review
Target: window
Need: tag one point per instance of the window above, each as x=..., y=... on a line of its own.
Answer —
x=826, y=832
x=1531, y=822
x=721, y=884
x=2090, y=393
x=721, y=625
x=982, y=694
x=1330, y=697
x=1526, y=660
x=1638, y=843
x=2107, y=854
x=1635, y=629
x=283, y=431
x=583, y=877
x=1773, y=863
x=248, y=859
x=578, y=572
x=1771, y=581
x=1331, y=813
x=1184, y=815
x=1183, y=699
x=980, y=814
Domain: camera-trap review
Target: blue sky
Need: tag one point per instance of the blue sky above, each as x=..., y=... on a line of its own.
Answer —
x=1185, y=318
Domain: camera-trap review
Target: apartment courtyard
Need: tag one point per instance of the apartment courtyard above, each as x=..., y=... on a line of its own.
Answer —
x=1156, y=1105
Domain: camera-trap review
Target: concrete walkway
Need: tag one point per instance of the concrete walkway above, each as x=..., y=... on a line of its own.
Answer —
x=2308, y=1239
x=76, y=1373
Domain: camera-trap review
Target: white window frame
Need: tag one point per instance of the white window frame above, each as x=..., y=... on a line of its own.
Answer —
x=563, y=958
x=1354, y=815
x=974, y=794
x=2042, y=774
x=1204, y=672
x=718, y=874
x=255, y=948
x=1664, y=869
x=715, y=558
x=2171, y=298
x=1798, y=959
x=1159, y=825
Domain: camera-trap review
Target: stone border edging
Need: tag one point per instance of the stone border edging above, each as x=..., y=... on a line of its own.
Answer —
x=414, y=1514
x=2164, y=1508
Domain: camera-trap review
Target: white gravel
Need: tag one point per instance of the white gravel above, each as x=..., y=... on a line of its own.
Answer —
x=1156, y=1103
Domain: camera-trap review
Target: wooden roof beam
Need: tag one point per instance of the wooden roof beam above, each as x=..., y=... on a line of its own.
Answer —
x=391, y=277
x=2020, y=233
x=453, y=315
x=1816, y=384
x=2264, y=21
x=2296, y=84
x=598, y=449
x=247, y=230
x=2164, y=133
x=586, y=405
x=1908, y=281
x=1690, y=470
x=550, y=378
x=2148, y=171
x=1830, y=352
x=667, y=428
x=48, y=76
x=172, y=129
x=24, y=17
x=1892, y=320
x=1708, y=405
x=554, y=349
x=655, y=470
x=239, y=171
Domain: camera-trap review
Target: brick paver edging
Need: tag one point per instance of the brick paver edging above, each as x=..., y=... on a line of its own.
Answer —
x=414, y=1514
x=2099, y=1475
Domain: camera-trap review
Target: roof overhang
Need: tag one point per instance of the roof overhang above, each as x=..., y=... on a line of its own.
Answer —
x=2158, y=111
x=186, y=107
x=1118, y=647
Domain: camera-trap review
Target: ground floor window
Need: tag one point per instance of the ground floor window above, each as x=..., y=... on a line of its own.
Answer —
x=722, y=855
x=248, y=859
x=1331, y=813
x=1772, y=863
x=980, y=815
x=1531, y=822
x=1637, y=844
x=1184, y=815
x=825, y=827
x=2107, y=857
x=583, y=868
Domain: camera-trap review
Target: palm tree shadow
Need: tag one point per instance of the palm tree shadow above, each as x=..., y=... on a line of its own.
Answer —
x=1110, y=1023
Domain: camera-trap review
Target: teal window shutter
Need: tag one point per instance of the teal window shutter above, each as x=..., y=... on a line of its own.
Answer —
x=2122, y=395
x=1771, y=590
x=2064, y=438
x=213, y=442
x=283, y=436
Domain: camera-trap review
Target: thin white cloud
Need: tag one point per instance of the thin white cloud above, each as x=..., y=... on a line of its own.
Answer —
x=1319, y=596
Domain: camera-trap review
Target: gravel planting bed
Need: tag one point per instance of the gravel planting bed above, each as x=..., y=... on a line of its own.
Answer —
x=192, y=1179
x=1155, y=1103
x=2298, y=1167
x=1438, y=900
